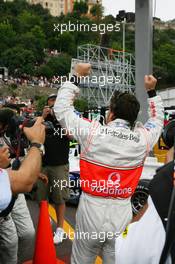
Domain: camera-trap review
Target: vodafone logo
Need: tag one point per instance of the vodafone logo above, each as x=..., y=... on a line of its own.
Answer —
x=114, y=180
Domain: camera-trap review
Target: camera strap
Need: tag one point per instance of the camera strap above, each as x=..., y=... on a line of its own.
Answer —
x=17, y=150
x=7, y=211
x=12, y=149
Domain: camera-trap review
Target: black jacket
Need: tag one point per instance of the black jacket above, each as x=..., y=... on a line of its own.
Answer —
x=56, y=145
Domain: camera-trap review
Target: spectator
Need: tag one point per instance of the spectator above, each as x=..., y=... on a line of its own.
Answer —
x=55, y=166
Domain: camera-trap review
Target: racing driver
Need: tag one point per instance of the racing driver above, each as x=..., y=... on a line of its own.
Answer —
x=111, y=163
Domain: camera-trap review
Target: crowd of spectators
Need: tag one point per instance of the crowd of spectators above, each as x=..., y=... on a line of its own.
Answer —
x=32, y=81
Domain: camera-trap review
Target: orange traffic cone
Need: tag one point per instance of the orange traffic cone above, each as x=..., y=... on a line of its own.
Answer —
x=44, y=246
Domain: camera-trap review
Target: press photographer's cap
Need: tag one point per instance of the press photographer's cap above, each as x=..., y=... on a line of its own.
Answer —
x=52, y=96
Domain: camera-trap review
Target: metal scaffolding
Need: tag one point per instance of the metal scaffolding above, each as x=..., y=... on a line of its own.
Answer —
x=111, y=70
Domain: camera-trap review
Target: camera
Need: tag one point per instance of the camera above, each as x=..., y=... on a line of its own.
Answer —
x=12, y=133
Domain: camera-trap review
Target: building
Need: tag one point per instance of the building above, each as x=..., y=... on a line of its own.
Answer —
x=90, y=3
x=56, y=7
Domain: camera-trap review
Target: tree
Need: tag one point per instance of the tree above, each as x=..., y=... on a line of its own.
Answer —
x=164, y=62
x=66, y=43
x=80, y=8
x=60, y=65
x=19, y=61
x=27, y=21
x=81, y=105
x=39, y=42
x=46, y=71
x=97, y=11
x=40, y=11
x=41, y=102
x=34, y=40
x=117, y=45
x=7, y=36
x=26, y=30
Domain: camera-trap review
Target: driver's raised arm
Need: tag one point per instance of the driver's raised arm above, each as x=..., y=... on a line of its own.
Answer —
x=64, y=108
x=154, y=125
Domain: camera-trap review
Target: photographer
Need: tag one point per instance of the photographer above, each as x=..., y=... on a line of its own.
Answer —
x=23, y=179
x=55, y=167
x=18, y=223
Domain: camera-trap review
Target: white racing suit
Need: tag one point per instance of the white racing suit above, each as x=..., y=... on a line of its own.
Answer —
x=111, y=164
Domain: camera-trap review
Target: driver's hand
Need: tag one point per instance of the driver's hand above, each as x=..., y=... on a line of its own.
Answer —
x=36, y=133
x=82, y=69
x=4, y=157
x=150, y=82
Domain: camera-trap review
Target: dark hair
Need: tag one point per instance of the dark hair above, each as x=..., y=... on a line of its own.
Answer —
x=125, y=106
x=5, y=115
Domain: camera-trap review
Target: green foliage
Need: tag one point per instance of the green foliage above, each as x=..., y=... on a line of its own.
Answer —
x=27, y=30
x=46, y=71
x=117, y=45
x=18, y=60
x=60, y=65
x=66, y=43
x=27, y=21
x=81, y=105
x=80, y=7
x=164, y=62
x=13, y=86
x=41, y=102
x=7, y=36
x=97, y=11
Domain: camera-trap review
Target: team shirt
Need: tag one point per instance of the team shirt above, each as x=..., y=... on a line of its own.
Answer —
x=143, y=241
x=5, y=190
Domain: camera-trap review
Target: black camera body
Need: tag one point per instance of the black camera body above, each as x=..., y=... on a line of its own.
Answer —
x=13, y=133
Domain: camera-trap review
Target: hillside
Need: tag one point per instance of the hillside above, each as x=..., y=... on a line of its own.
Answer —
x=28, y=36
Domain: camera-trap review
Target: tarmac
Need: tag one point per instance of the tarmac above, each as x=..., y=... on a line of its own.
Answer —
x=63, y=250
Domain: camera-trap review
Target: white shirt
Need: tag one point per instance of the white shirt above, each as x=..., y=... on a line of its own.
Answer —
x=144, y=241
x=5, y=190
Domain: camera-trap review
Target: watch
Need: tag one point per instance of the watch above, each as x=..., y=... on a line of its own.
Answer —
x=38, y=146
